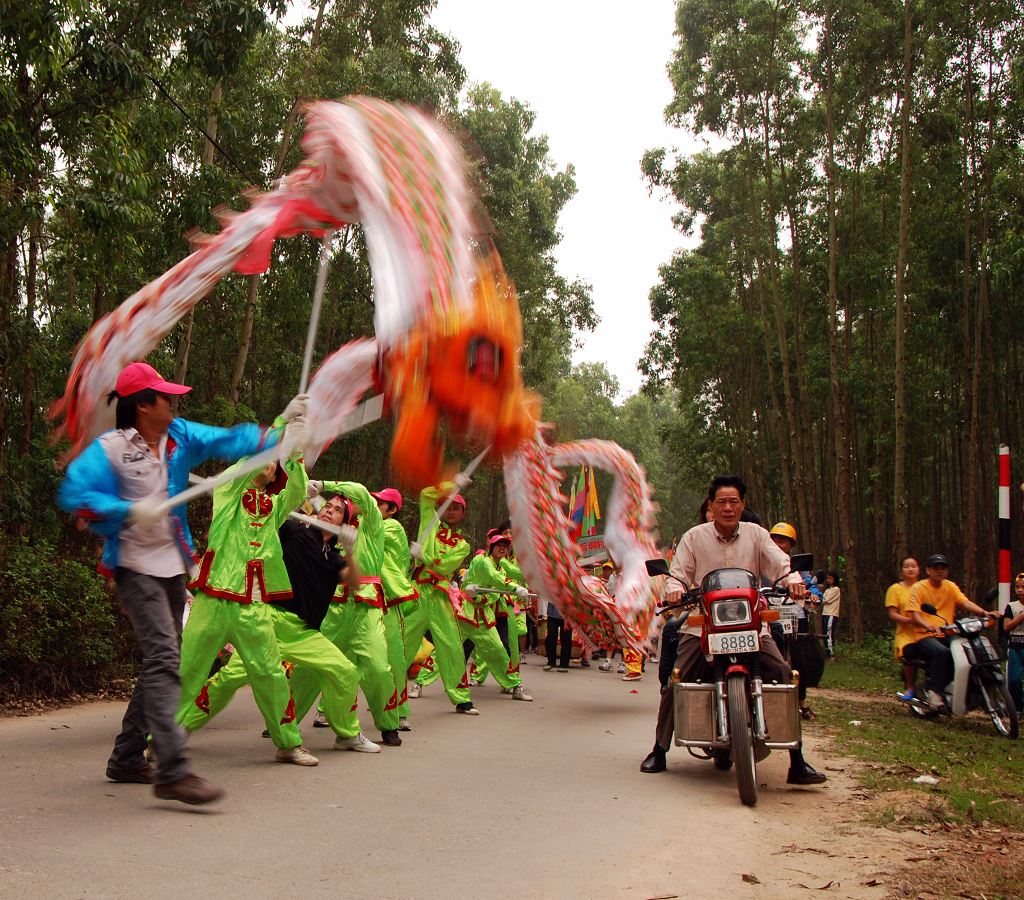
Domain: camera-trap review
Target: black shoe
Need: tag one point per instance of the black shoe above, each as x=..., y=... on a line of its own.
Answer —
x=142, y=775
x=723, y=759
x=806, y=774
x=266, y=733
x=390, y=738
x=467, y=709
x=654, y=761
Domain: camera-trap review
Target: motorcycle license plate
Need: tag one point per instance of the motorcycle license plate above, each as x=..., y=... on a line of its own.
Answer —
x=733, y=642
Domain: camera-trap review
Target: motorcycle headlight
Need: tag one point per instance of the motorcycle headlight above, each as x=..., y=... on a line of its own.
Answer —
x=730, y=612
x=973, y=626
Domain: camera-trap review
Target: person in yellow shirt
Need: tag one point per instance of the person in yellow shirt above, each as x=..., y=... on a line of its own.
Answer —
x=947, y=598
x=897, y=602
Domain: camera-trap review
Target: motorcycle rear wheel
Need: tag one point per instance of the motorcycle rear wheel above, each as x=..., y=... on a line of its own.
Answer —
x=742, y=739
x=999, y=705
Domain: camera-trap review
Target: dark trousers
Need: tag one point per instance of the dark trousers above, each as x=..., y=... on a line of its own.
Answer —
x=937, y=659
x=693, y=666
x=501, y=626
x=154, y=607
x=551, y=642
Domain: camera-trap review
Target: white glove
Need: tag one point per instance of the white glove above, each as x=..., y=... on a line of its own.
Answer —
x=347, y=537
x=146, y=513
x=471, y=590
x=314, y=489
x=297, y=406
x=416, y=550
x=294, y=439
x=521, y=592
x=462, y=481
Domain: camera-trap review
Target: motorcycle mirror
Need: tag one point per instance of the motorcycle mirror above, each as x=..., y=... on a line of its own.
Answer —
x=801, y=562
x=930, y=609
x=656, y=567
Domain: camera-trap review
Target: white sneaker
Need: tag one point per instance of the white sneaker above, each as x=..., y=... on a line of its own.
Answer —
x=403, y=724
x=320, y=721
x=621, y=669
x=360, y=743
x=935, y=700
x=415, y=690
x=519, y=694
x=522, y=658
x=606, y=666
x=297, y=756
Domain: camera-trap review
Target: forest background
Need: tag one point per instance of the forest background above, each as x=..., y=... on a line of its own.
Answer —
x=843, y=330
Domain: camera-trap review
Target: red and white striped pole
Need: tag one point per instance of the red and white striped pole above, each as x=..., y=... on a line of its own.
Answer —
x=1004, y=526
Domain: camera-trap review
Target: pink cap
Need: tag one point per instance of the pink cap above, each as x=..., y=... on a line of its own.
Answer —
x=389, y=495
x=498, y=539
x=458, y=498
x=140, y=376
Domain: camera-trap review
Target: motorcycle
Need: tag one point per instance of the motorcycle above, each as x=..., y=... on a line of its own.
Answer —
x=737, y=713
x=978, y=682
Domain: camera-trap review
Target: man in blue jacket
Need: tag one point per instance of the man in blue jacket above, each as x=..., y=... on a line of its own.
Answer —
x=117, y=485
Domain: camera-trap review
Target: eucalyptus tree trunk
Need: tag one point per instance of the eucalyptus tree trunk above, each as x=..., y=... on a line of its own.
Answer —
x=207, y=156
x=841, y=449
x=249, y=316
x=900, y=539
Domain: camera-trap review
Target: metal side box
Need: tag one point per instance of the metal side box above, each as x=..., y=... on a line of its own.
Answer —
x=782, y=715
x=695, y=714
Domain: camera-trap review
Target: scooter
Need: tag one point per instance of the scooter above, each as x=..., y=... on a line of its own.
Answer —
x=978, y=682
x=736, y=714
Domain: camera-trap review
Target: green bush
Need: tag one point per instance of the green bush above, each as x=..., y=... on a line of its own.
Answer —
x=60, y=631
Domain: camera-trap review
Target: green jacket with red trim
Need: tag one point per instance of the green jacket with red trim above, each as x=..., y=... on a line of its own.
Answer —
x=244, y=546
x=369, y=549
x=485, y=573
x=444, y=547
x=394, y=574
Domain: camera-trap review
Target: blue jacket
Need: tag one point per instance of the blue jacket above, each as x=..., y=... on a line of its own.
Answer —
x=90, y=488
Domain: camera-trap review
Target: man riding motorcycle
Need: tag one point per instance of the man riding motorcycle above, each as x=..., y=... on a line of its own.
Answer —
x=725, y=542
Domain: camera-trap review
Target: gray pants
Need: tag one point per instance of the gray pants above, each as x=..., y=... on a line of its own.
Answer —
x=154, y=607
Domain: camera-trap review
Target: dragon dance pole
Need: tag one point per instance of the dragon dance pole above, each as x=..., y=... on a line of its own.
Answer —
x=1004, y=526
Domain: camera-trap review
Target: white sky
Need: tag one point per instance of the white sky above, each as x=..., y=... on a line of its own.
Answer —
x=595, y=76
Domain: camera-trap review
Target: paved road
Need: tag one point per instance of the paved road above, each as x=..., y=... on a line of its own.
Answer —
x=528, y=800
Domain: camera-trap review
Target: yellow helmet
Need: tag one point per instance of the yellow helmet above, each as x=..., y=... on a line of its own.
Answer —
x=785, y=530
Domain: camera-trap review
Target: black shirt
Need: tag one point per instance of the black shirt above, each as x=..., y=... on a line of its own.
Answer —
x=313, y=569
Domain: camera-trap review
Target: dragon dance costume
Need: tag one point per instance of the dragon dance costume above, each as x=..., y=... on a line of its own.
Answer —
x=355, y=621
x=242, y=572
x=443, y=549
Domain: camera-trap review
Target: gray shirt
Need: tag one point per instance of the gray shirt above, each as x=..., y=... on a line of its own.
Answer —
x=141, y=473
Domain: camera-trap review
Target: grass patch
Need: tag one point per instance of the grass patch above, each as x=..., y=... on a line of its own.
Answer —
x=972, y=762
x=868, y=668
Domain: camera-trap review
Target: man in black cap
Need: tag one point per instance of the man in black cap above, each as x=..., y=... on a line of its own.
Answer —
x=947, y=598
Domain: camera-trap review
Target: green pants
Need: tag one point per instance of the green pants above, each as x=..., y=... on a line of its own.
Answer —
x=357, y=630
x=434, y=611
x=308, y=650
x=488, y=651
x=480, y=669
x=250, y=627
x=394, y=631
x=429, y=672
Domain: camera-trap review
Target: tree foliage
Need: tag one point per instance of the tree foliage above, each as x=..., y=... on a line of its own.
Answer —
x=777, y=330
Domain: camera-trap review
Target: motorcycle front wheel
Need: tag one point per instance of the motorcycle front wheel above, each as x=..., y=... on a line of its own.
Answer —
x=742, y=739
x=999, y=705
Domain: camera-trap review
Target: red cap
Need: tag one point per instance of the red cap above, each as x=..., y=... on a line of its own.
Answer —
x=389, y=495
x=139, y=376
x=497, y=539
x=458, y=498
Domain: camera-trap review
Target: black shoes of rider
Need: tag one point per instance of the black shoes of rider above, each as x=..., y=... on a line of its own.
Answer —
x=805, y=775
x=654, y=761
